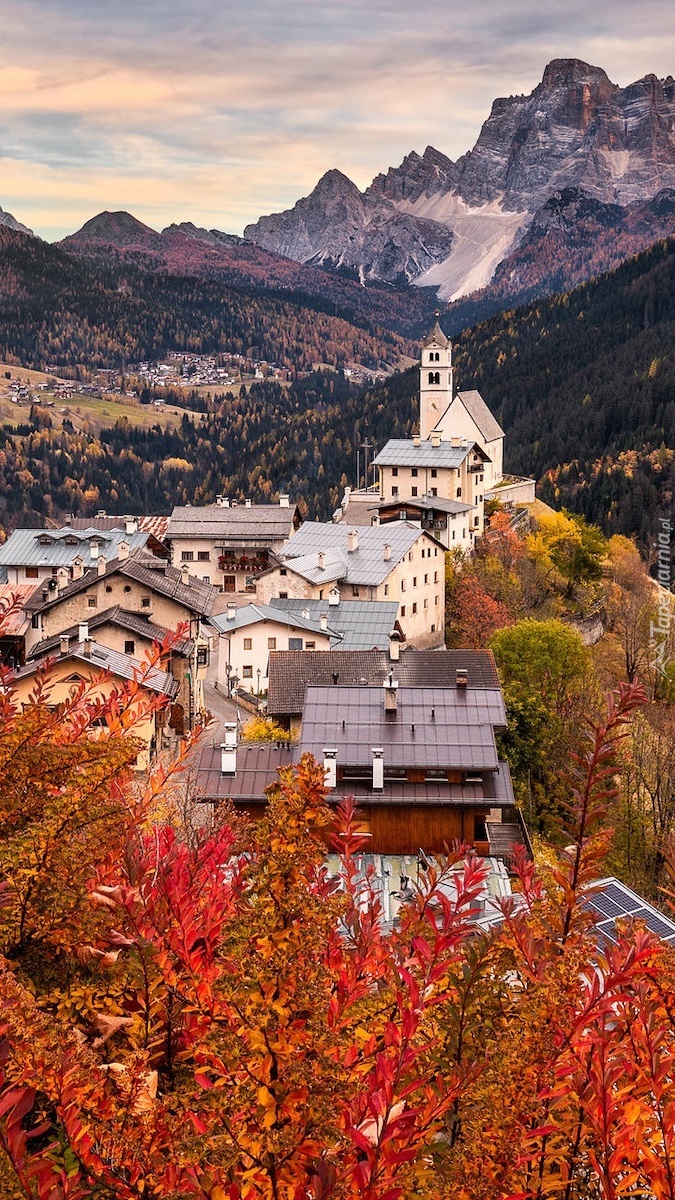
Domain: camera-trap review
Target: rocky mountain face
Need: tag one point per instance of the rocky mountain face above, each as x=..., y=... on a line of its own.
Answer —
x=449, y=225
x=11, y=222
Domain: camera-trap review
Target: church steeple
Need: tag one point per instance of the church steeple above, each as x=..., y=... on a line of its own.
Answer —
x=435, y=378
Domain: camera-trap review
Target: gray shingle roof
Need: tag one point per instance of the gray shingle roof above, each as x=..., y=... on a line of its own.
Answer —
x=402, y=452
x=157, y=575
x=250, y=614
x=358, y=624
x=434, y=728
x=102, y=658
x=58, y=547
x=480, y=413
x=290, y=671
x=118, y=616
x=366, y=565
x=436, y=337
x=455, y=507
x=262, y=524
x=257, y=766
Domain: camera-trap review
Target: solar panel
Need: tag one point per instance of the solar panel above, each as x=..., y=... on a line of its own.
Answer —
x=615, y=901
x=656, y=924
x=626, y=902
x=606, y=907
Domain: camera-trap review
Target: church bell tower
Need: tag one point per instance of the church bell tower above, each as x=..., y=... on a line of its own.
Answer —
x=435, y=379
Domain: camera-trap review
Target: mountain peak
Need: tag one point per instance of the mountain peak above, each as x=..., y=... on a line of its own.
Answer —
x=11, y=222
x=566, y=72
x=116, y=229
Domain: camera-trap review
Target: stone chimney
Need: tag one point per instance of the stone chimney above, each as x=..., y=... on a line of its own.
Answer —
x=184, y=573
x=394, y=646
x=330, y=767
x=284, y=500
x=231, y=610
x=228, y=750
x=352, y=540
x=435, y=440
x=390, y=700
x=461, y=677
x=417, y=441
x=130, y=526
x=323, y=621
x=334, y=596
x=62, y=578
x=86, y=645
x=78, y=567
x=321, y=560
x=387, y=552
x=100, y=565
x=64, y=642
x=123, y=551
x=378, y=769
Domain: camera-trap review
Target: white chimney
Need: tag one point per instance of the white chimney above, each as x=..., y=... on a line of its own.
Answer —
x=321, y=560
x=284, y=500
x=394, y=646
x=223, y=501
x=228, y=750
x=231, y=610
x=305, y=614
x=378, y=769
x=78, y=567
x=62, y=578
x=390, y=688
x=387, y=552
x=94, y=549
x=352, y=540
x=64, y=642
x=334, y=596
x=100, y=565
x=83, y=632
x=323, y=621
x=130, y=526
x=417, y=441
x=330, y=768
x=248, y=503
x=123, y=551
x=184, y=573
x=455, y=442
x=435, y=440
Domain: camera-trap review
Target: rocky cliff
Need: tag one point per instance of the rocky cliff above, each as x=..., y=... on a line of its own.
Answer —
x=11, y=222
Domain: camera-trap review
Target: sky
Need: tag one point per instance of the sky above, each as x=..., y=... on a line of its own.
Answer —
x=219, y=111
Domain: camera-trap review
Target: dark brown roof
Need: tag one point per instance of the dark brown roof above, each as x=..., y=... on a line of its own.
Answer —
x=257, y=766
x=290, y=671
x=494, y=791
x=196, y=596
x=133, y=622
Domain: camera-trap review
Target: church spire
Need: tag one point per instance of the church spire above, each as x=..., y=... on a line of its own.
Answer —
x=435, y=378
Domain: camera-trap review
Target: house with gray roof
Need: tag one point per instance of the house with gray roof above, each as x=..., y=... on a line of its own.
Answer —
x=354, y=624
x=229, y=543
x=248, y=635
x=34, y=555
x=399, y=562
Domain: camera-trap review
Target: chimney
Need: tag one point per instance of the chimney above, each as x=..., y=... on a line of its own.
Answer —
x=390, y=687
x=123, y=551
x=86, y=644
x=461, y=677
x=78, y=567
x=394, y=646
x=248, y=503
x=435, y=440
x=284, y=500
x=94, y=549
x=330, y=768
x=305, y=614
x=184, y=573
x=352, y=540
x=130, y=526
x=323, y=621
x=378, y=769
x=321, y=560
x=223, y=501
x=334, y=596
x=62, y=578
x=100, y=565
x=64, y=642
x=387, y=552
x=228, y=750
x=83, y=632
x=455, y=442
x=231, y=610
x=417, y=441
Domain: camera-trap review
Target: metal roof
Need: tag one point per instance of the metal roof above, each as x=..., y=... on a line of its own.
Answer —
x=251, y=614
x=494, y=791
x=261, y=523
x=433, y=727
x=357, y=624
x=102, y=658
x=436, y=337
x=58, y=547
x=611, y=901
x=157, y=526
x=402, y=452
x=290, y=671
x=257, y=766
x=154, y=573
x=490, y=429
x=426, y=502
x=120, y=617
x=366, y=565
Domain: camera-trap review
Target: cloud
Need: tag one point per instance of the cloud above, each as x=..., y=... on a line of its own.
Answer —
x=218, y=112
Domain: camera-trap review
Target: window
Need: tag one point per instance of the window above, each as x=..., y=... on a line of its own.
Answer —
x=247, y=672
x=108, y=588
x=453, y=535
x=310, y=645
x=320, y=593
x=434, y=377
x=203, y=556
x=459, y=493
x=127, y=589
x=434, y=472
x=202, y=656
x=394, y=493
x=355, y=591
x=436, y=600
x=129, y=647
x=271, y=643
x=403, y=610
x=229, y=583
x=433, y=628
x=386, y=589
x=403, y=585
x=414, y=581
x=410, y=557
x=414, y=491
x=403, y=514
x=475, y=521
x=435, y=576
x=186, y=556
x=91, y=602
x=295, y=643
x=414, y=608
x=464, y=533
x=283, y=571
x=32, y=573
x=248, y=643
x=206, y=578
x=434, y=491
x=435, y=551
x=426, y=578
x=480, y=478
x=394, y=471
x=426, y=603
x=145, y=601
x=283, y=595
x=413, y=472
x=35, y=621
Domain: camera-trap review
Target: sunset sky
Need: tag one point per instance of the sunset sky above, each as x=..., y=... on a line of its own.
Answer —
x=218, y=111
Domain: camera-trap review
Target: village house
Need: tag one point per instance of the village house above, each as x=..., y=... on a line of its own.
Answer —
x=450, y=521
x=353, y=624
x=395, y=562
x=228, y=544
x=87, y=661
x=248, y=635
x=49, y=555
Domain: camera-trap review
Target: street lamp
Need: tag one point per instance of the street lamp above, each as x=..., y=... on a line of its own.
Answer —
x=258, y=674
